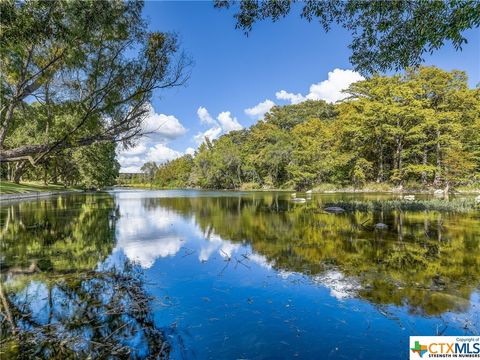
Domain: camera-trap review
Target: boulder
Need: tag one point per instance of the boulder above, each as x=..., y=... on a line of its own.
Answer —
x=381, y=226
x=308, y=192
x=438, y=192
x=334, y=209
x=299, y=200
x=409, y=197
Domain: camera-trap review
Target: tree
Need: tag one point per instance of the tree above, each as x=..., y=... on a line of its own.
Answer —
x=78, y=73
x=97, y=165
x=149, y=169
x=386, y=34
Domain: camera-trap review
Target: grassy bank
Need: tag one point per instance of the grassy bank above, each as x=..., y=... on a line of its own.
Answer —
x=7, y=187
x=456, y=205
x=323, y=188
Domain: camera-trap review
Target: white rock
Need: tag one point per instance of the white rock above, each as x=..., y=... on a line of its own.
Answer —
x=438, y=192
x=334, y=209
x=409, y=197
x=308, y=192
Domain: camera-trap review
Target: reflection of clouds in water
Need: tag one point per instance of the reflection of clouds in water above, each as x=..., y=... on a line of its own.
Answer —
x=145, y=252
x=215, y=243
x=145, y=234
x=260, y=260
x=341, y=287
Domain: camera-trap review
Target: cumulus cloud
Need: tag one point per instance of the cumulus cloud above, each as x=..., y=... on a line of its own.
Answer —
x=227, y=122
x=223, y=124
x=161, y=127
x=190, y=151
x=211, y=134
x=260, y=109
x=293, y=98
x=136, y=150
x=161, y=153
x=204, y=116
x=329, y=90
x=158, y=130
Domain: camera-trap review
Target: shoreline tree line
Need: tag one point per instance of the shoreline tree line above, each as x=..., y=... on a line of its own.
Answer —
x=420, y=128
x=77, y=79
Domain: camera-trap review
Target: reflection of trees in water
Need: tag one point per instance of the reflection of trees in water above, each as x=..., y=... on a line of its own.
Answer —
x=53, y=302
x=64, y=233
x=427, y=259
x=89, y=314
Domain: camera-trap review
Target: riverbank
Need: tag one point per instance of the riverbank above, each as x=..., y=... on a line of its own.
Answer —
x=325, y=189
x=11, y=191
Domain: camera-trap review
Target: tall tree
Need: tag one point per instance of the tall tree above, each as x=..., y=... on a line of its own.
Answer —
x=81, y=72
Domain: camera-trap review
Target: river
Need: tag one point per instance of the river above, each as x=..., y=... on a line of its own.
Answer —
x=232, y=275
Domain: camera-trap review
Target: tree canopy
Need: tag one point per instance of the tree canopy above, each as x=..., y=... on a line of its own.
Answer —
x=420, y=127
x=78, y=73
x=385, y=34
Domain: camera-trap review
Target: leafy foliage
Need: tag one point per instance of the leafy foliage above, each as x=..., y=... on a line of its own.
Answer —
x=420, y=127
x=385, y=34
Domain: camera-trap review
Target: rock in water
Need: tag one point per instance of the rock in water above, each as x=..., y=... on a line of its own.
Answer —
x=381, y=226
x=438, y=192
x=334, y=209
x=308, y=192
x=299, y=200
x=409, y=197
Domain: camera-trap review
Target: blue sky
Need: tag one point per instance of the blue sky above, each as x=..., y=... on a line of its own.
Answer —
x=232, y=73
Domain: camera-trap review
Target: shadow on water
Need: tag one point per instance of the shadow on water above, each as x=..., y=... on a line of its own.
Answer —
x=55, y=301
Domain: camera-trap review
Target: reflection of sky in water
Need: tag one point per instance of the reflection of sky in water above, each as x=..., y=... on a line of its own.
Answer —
x=217, y=299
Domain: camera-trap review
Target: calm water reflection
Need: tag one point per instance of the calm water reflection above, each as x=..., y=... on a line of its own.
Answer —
x=235, y=275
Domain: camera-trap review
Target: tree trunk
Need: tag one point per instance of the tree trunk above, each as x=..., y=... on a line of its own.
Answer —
x=380, y=166
x=19, y=171
x=438, y=171
x=424, y=163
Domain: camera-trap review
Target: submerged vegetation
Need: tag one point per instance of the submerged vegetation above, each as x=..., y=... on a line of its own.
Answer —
x=416, y=130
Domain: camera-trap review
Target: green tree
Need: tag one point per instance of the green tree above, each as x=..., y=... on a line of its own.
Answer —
x=385, y=34
x=97, y=165
x=75, y=60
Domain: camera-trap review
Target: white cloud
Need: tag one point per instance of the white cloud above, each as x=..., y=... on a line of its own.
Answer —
x=329, y=90
x=130, y=169
x=211, y=134
x=224, y=123
x=161, y=153
x=293, y=98
x=136, y=150
x=161, y=127
x=158, y=130
x=190, y=151
x=227, y=122
x=204, y=116
x=260, y=109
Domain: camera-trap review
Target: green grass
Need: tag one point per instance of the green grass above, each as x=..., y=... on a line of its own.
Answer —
x=7, y=187
x=454, y=205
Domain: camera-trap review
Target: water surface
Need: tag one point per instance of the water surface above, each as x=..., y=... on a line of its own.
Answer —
x=235, y=275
